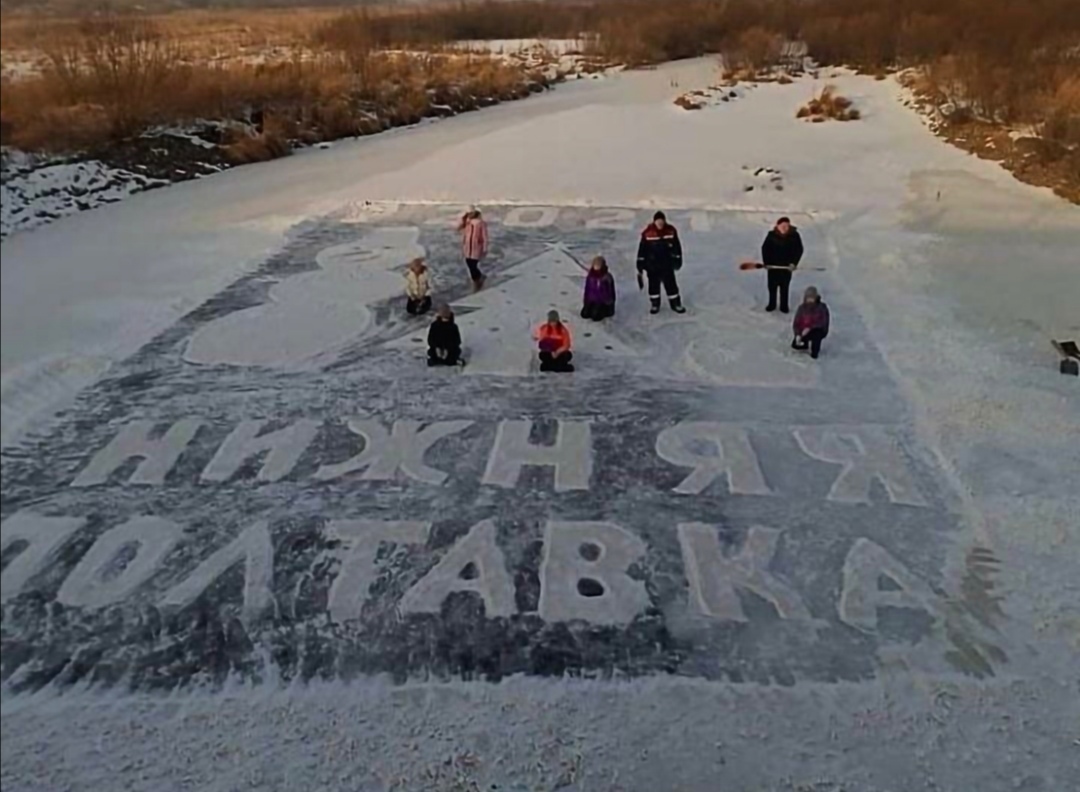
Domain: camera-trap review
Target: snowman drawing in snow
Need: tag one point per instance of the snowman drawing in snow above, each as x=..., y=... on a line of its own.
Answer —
x=497, y=323
x=310, y=317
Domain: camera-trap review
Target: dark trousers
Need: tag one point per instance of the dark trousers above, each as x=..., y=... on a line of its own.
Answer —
x=550, y=362
x=779, y=282
x=663, y=277
x=417, y=307
x=474, y=269
x=811, y=341
x=597, y=311
x=439, y=356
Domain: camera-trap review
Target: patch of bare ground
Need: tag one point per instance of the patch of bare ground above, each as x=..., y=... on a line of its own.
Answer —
x=1043, y=155
x=1032, y=159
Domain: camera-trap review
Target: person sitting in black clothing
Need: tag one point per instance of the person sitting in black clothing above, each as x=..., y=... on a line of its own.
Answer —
x=444, y=339
x=780, y=253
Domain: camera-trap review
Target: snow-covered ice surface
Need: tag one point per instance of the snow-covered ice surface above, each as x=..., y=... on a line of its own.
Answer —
x=854, y=574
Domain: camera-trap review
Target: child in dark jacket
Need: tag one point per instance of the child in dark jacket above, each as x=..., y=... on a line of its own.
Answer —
x=811, y=323
x=599, y=291
x=444, y=339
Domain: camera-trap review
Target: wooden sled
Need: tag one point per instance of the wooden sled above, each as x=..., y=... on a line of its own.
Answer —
x=1070, y=357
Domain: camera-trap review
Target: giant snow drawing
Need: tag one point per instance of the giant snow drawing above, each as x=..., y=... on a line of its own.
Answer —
x=310, y=315
x=278, y=487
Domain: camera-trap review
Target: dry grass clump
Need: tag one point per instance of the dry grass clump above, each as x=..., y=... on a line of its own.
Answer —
x=690, y=101
x=828, y=105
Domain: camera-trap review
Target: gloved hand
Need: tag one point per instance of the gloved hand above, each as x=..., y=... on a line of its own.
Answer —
x=640, y=280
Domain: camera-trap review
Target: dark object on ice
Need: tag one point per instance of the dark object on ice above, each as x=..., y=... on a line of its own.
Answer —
x=1070, y=357
x=444, y=339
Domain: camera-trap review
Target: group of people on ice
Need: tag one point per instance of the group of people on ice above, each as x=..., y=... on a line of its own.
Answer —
x=659, y=258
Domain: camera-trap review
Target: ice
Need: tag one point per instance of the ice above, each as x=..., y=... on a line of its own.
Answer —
x=960, y=275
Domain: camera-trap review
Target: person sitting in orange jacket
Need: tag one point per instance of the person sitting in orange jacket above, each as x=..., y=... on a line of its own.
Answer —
x=553, y=338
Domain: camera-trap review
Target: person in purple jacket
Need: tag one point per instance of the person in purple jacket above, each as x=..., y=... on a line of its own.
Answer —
x=811, y=323
x=599, y=292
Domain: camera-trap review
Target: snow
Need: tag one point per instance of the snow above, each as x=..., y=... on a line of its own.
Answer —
x=38, y=195
x=961, y=275
x=552, y=56
x=523, y=46
x=185, y=134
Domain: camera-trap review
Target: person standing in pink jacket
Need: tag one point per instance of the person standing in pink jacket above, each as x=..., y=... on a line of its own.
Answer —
x=474, y=244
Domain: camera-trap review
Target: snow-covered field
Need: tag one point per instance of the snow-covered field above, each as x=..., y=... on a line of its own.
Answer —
x=935, y=426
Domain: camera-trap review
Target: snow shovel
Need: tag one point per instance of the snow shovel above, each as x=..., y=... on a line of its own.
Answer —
x=756, y=265
x=1070, y=357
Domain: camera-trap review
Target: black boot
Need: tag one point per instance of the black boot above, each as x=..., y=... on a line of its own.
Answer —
x=677, y=306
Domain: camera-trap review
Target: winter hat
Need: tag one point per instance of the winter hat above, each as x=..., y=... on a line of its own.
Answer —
x=659, y=216
x=783, y=220
x=443, y=311
x=553, y=316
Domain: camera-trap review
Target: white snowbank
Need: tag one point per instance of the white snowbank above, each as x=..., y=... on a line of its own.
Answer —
x=519, y=46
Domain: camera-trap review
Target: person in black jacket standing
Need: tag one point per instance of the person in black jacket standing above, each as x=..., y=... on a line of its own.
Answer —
x=659, y=258
x=780, y=253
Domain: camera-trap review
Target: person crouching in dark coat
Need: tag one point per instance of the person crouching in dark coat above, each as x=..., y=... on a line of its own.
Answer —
x=811, y=323
x=599, y=301
x=659, y=258
x=781, y=253
x=444, y=339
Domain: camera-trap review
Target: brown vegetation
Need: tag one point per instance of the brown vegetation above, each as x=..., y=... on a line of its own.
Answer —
x=115, y=77
x=826, y=105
